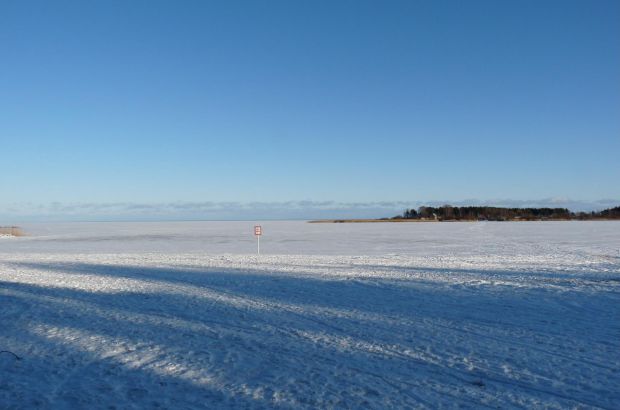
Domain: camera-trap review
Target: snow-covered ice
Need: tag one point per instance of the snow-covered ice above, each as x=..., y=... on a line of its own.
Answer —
x=411, y=315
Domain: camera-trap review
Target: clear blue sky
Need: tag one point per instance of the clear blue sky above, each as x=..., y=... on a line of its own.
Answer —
x=349, y=101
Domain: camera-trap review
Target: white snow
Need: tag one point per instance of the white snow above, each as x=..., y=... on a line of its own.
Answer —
x=409, y=315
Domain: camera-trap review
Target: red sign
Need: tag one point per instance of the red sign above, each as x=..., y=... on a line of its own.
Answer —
x=258, y=230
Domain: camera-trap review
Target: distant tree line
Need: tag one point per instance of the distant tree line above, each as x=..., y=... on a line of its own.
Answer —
x=491, y=213
x=611, y=213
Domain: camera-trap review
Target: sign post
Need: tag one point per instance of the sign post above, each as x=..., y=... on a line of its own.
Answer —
x=258, y=231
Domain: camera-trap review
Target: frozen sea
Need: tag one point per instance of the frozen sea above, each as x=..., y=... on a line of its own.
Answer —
x=376, y=315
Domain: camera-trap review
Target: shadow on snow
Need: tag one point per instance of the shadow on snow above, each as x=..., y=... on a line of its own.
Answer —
x=223, y=337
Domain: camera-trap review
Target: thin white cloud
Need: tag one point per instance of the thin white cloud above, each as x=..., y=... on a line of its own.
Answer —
x=304, y=209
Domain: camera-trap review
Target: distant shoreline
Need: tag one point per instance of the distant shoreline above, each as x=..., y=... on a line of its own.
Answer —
x=11, y=231
x=337, y=221
x=449, y=213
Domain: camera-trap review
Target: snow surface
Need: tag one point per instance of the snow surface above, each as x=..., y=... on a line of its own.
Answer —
x=412, y=315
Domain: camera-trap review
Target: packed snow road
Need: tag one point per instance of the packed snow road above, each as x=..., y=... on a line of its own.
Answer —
x=417, y=316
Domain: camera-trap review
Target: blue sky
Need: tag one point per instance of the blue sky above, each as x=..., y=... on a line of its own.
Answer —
x=354, y=102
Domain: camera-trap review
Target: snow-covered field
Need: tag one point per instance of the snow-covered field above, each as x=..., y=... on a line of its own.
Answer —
x=184, y=315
